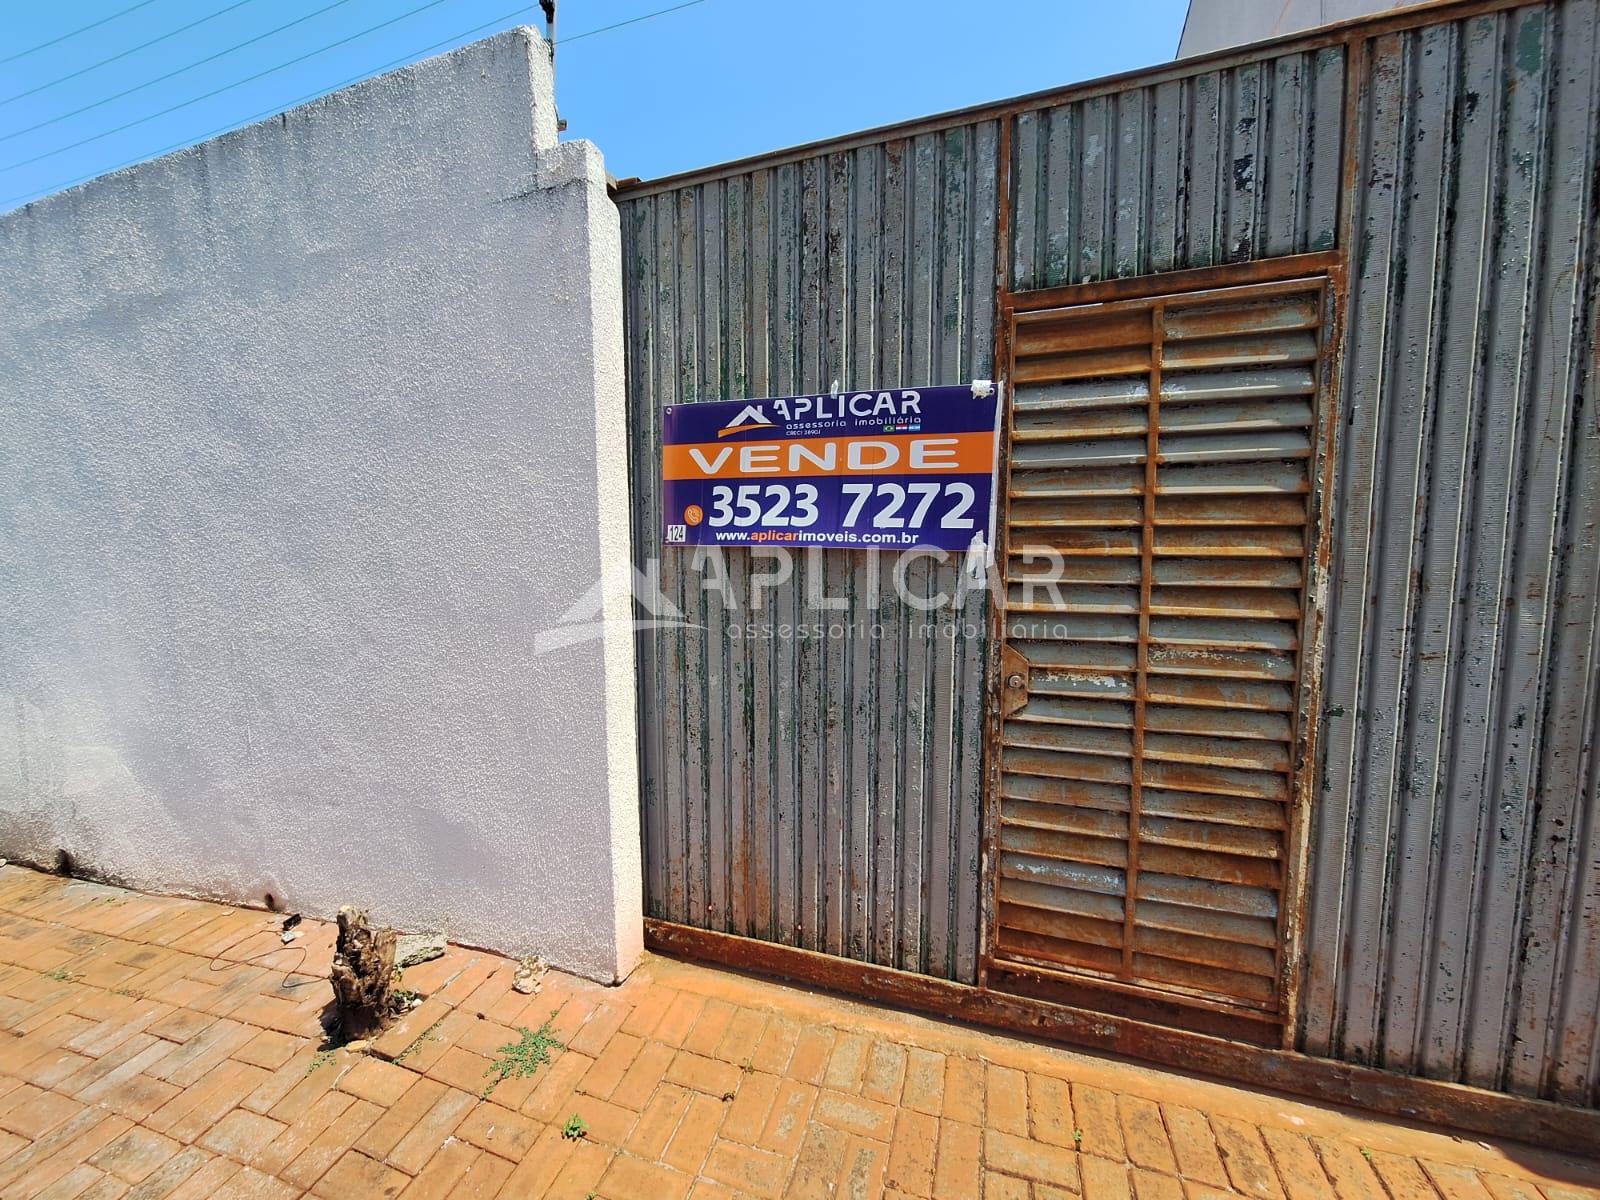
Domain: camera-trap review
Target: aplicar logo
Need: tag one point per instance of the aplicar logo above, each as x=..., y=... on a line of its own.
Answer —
x=750, y=417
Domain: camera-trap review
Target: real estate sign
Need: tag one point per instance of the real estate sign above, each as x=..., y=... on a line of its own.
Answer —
x=892, y=469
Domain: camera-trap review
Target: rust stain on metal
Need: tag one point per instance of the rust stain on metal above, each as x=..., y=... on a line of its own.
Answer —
x=1308, y=714
x=1014, y=671
x=995, y=710
x=1198, y=279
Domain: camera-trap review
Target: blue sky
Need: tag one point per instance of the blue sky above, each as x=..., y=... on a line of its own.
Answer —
x=713, y=80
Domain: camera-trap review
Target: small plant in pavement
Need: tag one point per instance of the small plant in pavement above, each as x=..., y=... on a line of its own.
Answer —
x=427, y=1035
x=523, y=1057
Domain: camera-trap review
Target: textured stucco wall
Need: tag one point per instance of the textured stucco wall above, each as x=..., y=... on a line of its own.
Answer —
x=304, y=434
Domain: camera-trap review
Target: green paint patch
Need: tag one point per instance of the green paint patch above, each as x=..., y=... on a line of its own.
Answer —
x=1530, y=43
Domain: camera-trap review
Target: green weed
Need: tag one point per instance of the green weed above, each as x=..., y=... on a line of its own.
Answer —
x=523, y=1057
x=427, y=1035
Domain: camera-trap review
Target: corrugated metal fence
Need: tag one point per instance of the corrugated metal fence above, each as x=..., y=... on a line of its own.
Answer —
x=826, y=791
x=1453, y=919
x=816, y=791
x=1219, y=166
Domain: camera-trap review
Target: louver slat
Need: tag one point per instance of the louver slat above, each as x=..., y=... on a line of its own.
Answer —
x=1157, y=534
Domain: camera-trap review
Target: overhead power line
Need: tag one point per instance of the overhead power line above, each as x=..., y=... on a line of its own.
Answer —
x=179, y=71
x=74, y=33
x=124, y=54
x=578, y=37
x=227, y=87
x=276, y=109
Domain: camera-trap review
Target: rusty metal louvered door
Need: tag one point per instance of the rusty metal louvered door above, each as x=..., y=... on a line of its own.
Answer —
x=1160, y=514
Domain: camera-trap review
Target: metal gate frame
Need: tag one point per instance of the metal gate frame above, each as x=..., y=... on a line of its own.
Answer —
x=1284, y=1068
x=1326, y=265
x=1415, y=1097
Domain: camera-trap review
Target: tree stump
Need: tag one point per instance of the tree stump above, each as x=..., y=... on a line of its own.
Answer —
x=364, y=977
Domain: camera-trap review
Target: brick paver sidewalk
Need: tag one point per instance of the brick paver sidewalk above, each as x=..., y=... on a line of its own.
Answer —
x=164, y=1047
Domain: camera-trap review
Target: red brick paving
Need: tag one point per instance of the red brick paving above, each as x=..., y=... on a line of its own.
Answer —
x=172, y=1048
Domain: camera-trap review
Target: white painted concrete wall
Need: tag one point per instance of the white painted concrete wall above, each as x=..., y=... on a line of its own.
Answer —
x=304, y=434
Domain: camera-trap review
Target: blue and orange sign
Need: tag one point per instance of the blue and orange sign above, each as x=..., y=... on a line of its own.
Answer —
x=892, y=469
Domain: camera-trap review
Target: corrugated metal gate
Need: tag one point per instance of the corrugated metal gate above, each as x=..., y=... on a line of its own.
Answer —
x=1159, y=522
x=821, y=793
x=830, y=796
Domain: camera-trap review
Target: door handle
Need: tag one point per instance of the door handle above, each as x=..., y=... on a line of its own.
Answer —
x=1013, y=682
